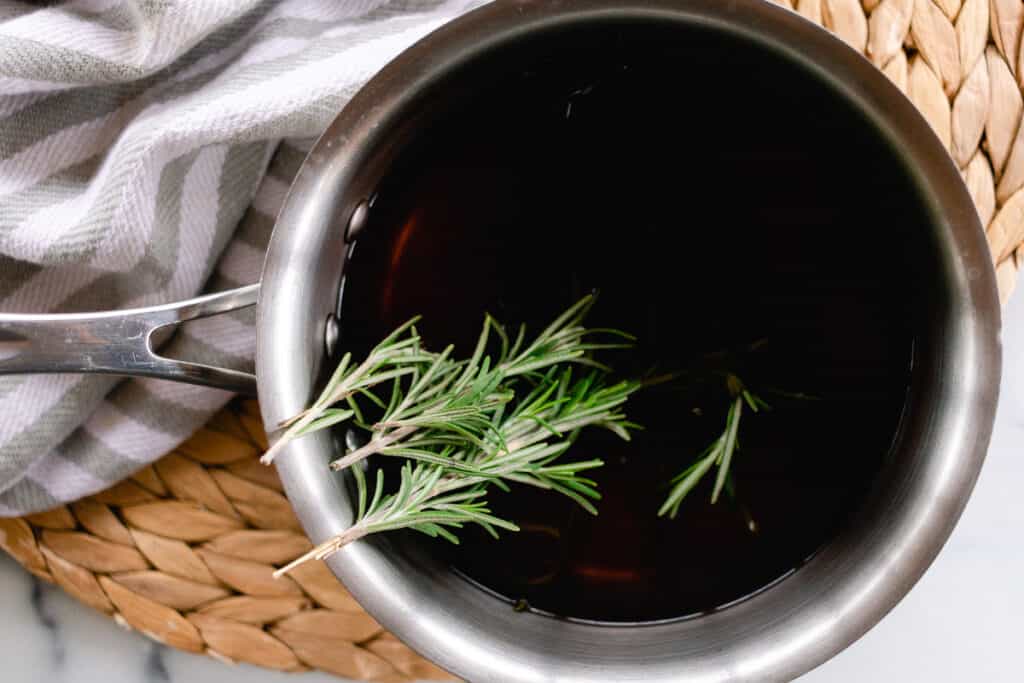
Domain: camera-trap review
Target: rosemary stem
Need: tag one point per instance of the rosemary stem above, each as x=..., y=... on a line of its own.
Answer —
x=326, y=549
x=357, y=380
x=375, y=445
x=304, y=420
x=362, y=527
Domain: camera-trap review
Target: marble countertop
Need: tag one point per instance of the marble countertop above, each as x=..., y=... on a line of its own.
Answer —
x=960, y=623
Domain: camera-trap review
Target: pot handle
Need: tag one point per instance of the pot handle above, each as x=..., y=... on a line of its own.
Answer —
x=118, y=342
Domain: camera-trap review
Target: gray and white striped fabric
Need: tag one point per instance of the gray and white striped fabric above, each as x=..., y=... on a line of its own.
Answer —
x=141, y=161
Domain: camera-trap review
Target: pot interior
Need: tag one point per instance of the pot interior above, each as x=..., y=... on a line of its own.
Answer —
x=718, y=200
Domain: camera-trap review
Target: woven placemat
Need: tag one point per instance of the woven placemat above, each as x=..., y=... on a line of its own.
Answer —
x=183, y=551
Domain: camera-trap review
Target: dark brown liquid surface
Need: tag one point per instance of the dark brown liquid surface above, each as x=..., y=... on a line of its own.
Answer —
x=712, y=198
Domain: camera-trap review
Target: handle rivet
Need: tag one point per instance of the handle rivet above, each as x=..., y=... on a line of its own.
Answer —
x=358, y=220
x=331, y=335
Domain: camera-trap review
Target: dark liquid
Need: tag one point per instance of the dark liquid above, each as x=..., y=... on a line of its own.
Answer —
x=713, y=198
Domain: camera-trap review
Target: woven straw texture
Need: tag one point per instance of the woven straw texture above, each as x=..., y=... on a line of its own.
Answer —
x=183, y=551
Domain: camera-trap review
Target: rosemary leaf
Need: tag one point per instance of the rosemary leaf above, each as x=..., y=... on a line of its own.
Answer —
x=735, y=412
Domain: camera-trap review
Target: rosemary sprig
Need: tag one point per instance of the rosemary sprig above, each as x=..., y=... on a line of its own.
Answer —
x=464, y=425
x=718, y=454
x=443, y=486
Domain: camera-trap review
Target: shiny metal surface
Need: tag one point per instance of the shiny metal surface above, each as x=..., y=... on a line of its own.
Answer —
x=358, y=221
x=118, y=342
x=781, y=632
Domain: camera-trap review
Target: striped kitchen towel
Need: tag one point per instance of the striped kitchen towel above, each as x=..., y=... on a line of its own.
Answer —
x=141, y=162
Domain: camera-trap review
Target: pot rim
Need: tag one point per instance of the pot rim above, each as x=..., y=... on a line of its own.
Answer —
x=777, y=634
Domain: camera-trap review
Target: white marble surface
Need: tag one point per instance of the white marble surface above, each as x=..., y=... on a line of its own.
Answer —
x=960, y=624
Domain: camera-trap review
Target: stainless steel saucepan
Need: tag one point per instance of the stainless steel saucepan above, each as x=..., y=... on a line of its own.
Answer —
x=778, y=633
